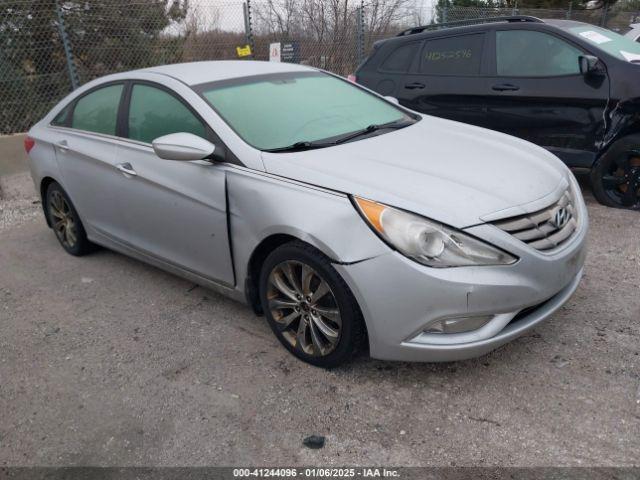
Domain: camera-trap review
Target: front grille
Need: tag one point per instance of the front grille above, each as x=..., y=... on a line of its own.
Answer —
x=545, y=229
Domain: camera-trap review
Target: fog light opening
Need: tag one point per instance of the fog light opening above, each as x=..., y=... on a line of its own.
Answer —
x=458, y=324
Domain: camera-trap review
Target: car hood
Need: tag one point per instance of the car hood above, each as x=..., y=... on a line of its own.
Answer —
x=448, y=171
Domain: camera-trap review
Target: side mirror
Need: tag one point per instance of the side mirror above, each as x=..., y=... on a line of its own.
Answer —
x=589, y=65
x=392, y=99
x=183, y=147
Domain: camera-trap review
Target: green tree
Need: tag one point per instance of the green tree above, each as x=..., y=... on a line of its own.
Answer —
x=105, y=36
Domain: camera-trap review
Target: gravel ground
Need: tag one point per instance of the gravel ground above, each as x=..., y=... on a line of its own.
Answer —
x=107, y=361
x=19, y=202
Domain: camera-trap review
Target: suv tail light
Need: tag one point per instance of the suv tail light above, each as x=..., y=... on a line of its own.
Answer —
x=352, y=78
x=29, y=143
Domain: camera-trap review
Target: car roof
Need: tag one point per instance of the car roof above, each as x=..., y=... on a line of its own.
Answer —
x=564, y=24
x=194, y=73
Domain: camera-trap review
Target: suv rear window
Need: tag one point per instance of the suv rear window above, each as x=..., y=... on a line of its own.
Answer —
x=400, y=58
x=459, y=55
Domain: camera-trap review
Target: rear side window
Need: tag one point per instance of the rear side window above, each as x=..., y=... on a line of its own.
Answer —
x=98, y=111
x=526, y=53
x=460, y=55
x=400, y=58
x=154, y=113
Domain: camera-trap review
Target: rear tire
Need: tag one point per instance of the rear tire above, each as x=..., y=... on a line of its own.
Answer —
x=309, y=307
x=615, y=178
x=65, y=222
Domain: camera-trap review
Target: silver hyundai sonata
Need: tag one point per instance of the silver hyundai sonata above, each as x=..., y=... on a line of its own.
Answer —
x=348, y=220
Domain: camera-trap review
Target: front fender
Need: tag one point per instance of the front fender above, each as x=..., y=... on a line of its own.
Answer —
x=261, y=205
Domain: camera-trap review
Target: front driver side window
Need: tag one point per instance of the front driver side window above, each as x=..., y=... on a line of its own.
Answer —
x=526, y=53
x=154, y=113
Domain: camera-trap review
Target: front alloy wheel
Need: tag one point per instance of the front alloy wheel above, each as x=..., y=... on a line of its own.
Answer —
x=309, y=306
x=304, y=308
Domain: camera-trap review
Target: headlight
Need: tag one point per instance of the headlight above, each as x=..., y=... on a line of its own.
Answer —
x=429, y=242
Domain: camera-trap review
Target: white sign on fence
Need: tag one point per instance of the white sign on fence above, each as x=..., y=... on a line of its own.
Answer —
x=275, y=52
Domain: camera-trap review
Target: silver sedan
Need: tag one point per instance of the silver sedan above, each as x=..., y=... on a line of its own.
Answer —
x=347, y=220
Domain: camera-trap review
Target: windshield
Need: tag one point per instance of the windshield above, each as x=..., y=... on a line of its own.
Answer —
x=275, y=111
x=622, y=47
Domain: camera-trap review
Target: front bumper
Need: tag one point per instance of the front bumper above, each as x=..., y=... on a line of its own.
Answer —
x=399, y=297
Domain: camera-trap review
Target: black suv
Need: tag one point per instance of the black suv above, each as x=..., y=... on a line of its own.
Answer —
x=567, y=86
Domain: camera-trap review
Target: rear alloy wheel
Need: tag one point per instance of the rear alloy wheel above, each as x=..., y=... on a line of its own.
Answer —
x=616, y=177
x=65, y=222
x=309, y=306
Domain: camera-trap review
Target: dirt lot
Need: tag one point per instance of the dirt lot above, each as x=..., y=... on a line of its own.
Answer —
x=107, y=361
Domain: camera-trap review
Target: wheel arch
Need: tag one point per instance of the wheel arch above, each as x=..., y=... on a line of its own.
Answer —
x=256, y=260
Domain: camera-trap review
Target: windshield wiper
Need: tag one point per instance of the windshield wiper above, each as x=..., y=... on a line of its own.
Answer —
x=306, y=145
x=371, y=129
x=300, y=146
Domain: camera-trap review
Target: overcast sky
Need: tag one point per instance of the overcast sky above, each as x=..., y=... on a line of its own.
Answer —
x=231, y=16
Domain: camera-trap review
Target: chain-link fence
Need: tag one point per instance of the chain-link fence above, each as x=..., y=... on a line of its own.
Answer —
x=49, y=47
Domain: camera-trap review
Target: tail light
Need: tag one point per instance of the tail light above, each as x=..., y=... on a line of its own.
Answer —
x=29, y=143
x=352, y=78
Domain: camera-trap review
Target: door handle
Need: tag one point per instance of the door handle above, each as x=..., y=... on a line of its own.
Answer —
x=505, y=87
x=415, y=86
x=63, y=146
x=127, y=169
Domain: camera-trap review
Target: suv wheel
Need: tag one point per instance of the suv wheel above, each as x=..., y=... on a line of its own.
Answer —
x=309, y=306
x=615, y=178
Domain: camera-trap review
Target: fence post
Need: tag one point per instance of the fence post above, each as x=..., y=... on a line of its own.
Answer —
x=248, y=28
x=71, y=66
x=605, y=11
x=445, y=12
x=360, y=32
x=569, y=10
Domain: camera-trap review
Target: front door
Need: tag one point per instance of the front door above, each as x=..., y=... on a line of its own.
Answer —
x=538, y=94
x=175, y=211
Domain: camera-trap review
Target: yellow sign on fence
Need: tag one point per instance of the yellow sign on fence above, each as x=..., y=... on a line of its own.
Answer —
x=244, y=51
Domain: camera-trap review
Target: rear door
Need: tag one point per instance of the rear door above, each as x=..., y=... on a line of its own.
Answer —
x=448, y=78
x=537, y=93
x=386, y=73
x=85, y=148
x=175, y=211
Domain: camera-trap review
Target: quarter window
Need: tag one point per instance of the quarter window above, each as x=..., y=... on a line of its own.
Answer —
x=98, y=111
x=154, y=113
x=525, y=53
x=62, y=119
x=460, y=55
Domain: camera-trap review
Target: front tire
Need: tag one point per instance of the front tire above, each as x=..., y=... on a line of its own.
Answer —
x=65, y=221
x=615, y=178
x=309, y=307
